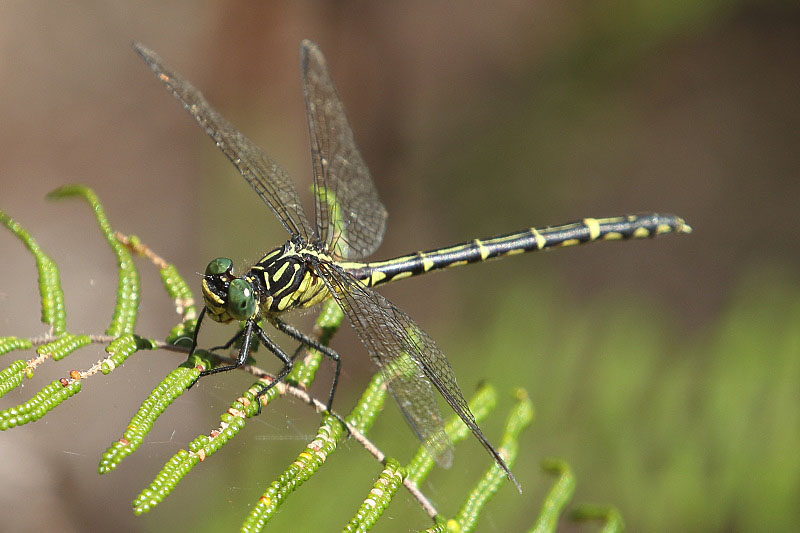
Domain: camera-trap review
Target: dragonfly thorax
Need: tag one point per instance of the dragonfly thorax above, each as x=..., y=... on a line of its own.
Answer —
x=287, y=279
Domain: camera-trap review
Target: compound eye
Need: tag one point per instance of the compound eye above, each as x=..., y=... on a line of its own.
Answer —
x=218, y=266
x=241, y=299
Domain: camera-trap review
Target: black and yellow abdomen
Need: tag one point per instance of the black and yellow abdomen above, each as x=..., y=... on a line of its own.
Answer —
x=529, y=240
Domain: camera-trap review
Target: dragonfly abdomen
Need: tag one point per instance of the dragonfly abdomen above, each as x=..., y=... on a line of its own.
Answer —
x=529, y=240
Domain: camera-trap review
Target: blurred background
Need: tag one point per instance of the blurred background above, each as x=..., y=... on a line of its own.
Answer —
x=665, y=372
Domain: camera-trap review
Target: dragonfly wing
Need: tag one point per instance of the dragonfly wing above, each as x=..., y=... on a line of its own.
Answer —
x=350, y=218
x=269, y=179
x=382, y=329
x=406, y=355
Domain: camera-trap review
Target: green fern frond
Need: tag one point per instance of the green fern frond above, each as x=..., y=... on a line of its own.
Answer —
x=121, y=342
x=609, y=516
x=44, y=401
x=9, y=344
x=156, y=403
x=481, y=405
x=63, y=346
x=558, y=496
x=384, y=489
x=12, y=376
x=306, y=464
x=127, y=305
x=52, y=297
x=520, y=417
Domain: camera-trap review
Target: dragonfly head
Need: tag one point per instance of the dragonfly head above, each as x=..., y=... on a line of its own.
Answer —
x=228, y=297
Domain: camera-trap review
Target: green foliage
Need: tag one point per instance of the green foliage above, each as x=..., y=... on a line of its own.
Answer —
x=9, y=344
x=610, y=516
x=481, y=404
x=126, y=309
x=702, y=425
x=162, y=397
x=52, y=298
x=379, y=497
x=558, y=496
x=12, y=376
x=40, y=404
x=63, y=346
x=520, y=417
x=121, y=343
x=306, y=464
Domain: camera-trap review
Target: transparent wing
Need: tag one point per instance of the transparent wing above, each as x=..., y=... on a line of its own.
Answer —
x=269, y=180
x=411, y=362
x=350, y=217
x=394, y=342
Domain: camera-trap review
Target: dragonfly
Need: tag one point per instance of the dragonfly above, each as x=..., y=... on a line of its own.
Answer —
x=325, y=259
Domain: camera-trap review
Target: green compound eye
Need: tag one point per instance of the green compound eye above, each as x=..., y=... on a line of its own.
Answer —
x=241, y=299
x=218, y=266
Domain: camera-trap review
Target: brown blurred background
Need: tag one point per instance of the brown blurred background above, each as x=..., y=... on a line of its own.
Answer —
x=475, y=120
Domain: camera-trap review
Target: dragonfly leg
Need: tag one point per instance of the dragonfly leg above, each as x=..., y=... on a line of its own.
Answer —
x=214, y=349
x=222, y=347
x=194, y=347
x=298, y=350
x=249, y=328
x=229, y=343
x=196, y=331
x=288, y=363
x=299, y=336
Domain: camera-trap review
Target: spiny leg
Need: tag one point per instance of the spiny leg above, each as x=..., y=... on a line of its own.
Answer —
x=215, y=348
x=212, y=350
x=196, y=331
x=299, y=336
x=244, y=351
x=229, y=343
x=194, y=342
x=298, y=350
x=288, y=363
x=310, y=342
x=247, y=334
